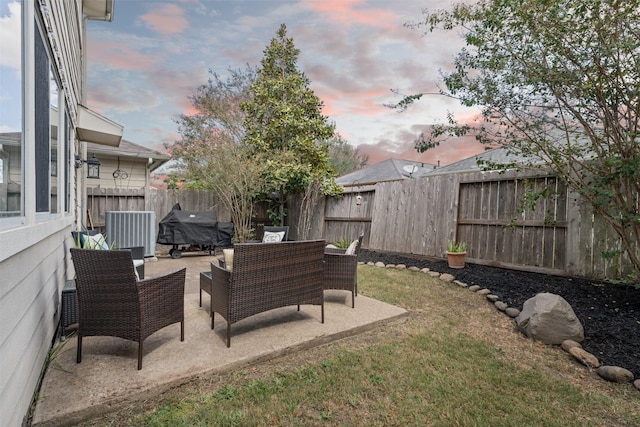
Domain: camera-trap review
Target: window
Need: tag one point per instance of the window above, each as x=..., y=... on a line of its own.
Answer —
x=42, y=131
x=11, y=106
x=54, y=117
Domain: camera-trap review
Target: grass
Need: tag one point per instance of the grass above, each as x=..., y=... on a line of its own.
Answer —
x=454, y=362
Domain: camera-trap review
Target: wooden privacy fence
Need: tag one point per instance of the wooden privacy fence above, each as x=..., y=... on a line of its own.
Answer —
x=102, y=200
x=490, y=211
x=494, y=215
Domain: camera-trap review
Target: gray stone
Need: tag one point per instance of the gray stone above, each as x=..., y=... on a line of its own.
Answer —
x=390, y=266
x=493, y=298
x=434, y=274
x=459, y=283
x=413, y=268
x=425, y=270
x=512, y=312
x=549, y=318
x=584, y=357
x=447, y=277
x=636, y=384
x=615, y=374
x=502, y=306
x=379, y=264
x=484, y=291
x=400, y=267
x=371, y=263
x=474, y=288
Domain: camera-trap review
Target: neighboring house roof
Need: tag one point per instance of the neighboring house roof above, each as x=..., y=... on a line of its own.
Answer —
x=129, y=149
x=387, y=170
x=470, y=164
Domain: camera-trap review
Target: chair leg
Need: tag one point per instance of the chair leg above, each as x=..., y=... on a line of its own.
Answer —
x=228, y=334
x=79, y=351
x=140, y=349
x=353, y=299
x=322, y=310
x=212, y=316
x=182, y=330
x=298, y=307
x=200, y=297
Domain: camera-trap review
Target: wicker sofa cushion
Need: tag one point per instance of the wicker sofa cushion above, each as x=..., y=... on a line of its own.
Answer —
x=272, y=236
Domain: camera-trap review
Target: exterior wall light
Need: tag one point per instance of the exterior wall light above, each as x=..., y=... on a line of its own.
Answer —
x=93, y=166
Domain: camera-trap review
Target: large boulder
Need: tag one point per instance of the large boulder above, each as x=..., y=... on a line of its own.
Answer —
x=549, y=318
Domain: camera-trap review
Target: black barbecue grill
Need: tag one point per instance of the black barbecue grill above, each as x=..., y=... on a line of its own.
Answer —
x=193, y=230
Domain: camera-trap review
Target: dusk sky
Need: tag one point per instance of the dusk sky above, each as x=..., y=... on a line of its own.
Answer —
x=143, y=66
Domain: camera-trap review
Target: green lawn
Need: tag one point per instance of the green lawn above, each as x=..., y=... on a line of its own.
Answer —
x=455, y=361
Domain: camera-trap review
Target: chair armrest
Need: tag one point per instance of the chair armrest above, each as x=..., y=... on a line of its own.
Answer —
x=220, y=275
x=220, y=290
x=336, y=264
x=162, y=295
x=334, y=251
x=137, y=252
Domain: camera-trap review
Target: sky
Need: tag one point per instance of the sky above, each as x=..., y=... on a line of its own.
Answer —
x=144, y=65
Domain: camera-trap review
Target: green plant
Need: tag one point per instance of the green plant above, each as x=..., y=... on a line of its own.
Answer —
x=454, y=246
x=343, y=243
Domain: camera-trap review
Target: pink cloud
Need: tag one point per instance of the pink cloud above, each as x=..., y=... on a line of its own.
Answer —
x=120, y=56
x=345, y=12
x=167, y=19
x=449, y=152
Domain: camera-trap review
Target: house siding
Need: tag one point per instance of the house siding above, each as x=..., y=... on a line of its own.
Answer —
x=34, y=248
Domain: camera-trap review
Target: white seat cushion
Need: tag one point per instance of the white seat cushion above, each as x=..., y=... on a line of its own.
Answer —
x=272, y=236
x=351, y=250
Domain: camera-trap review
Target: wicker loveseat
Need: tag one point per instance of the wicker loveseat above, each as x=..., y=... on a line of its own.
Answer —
x=267, y=276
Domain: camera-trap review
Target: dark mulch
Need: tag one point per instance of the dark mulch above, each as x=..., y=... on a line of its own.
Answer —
x=610, y=313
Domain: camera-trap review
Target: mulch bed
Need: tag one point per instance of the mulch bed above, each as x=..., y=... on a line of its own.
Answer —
x=609, y=313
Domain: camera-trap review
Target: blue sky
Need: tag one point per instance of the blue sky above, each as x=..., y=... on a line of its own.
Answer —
x=143, y=66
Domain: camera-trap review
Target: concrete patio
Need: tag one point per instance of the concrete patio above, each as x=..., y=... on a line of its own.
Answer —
x=108, y=373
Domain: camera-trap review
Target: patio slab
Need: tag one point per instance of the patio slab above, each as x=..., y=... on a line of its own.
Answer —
x=108, y=374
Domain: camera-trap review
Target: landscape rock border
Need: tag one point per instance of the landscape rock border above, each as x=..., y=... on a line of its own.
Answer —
x=574, y=349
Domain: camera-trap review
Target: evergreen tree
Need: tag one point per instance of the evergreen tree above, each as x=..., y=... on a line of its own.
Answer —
x=285, y=125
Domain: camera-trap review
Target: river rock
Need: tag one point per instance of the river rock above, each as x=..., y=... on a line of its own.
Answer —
x=484, y=291
x=434, y=274
x=500, y=305
x=636, y=384
x=379, y=264
x=447, y=277
x=569, y=344
x=493, y=298
x=413, y=268
x=584, y=357
x=459, y=283
x=549, y=318
x=615, y=374
x=401, y=267
x=512, y=312
x=474, y=288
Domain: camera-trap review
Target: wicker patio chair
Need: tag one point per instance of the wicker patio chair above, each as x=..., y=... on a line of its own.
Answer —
x=111, y=302
x=341, y=270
